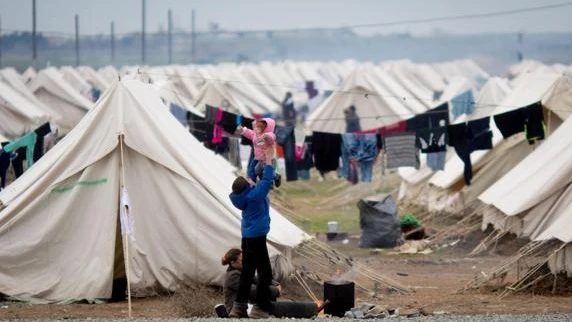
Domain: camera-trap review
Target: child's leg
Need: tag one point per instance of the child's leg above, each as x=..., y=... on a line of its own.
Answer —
x=277, y=176
x=259, y=169
x=251, y=172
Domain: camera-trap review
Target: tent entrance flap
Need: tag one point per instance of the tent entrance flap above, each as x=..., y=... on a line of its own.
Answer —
x=119, y=276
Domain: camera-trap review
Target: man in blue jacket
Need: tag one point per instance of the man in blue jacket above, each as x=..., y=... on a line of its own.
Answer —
x=252, y=199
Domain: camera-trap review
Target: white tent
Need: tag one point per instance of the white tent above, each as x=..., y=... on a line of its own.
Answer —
x=18, y=115
x=215, y=94
x=544, y=172
x=67, y=106
x=59, y=230
x=109, y=73
x=72, y=77
x=11, y=77
x=374, y=104
x=29, y=74
x=93, y=78
x=534, y=199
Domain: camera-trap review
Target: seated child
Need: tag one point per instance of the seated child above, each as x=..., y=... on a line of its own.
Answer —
x=262, y=138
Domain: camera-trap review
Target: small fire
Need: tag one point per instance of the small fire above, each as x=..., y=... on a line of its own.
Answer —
x=318, y=304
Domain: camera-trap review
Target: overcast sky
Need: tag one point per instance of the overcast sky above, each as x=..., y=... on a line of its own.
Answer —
x=96, y=15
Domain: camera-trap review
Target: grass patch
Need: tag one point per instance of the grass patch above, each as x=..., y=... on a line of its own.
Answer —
x=305, y=200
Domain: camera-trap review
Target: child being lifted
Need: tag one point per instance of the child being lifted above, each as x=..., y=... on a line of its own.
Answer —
x=262, y=138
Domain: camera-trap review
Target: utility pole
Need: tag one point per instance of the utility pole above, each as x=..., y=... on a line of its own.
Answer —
x=77, y=40
x=193, y=36
x=170, y=35
x=519, y=54
x=34, y=48
x=112, y=42
x=143, y=53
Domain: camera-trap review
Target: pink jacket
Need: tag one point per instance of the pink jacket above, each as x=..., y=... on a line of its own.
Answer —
x=258, y=142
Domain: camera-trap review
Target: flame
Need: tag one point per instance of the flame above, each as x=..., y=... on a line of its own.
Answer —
x=318, y=304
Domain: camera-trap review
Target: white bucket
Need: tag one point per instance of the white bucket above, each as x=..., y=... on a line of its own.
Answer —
x=332, y=226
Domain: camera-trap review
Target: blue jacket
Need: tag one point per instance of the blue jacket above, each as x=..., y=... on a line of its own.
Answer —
x=255, y=206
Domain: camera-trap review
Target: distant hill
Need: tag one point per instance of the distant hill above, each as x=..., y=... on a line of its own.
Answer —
x=493, y=52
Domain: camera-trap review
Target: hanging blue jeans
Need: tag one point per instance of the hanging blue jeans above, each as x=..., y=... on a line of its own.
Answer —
x=350, y=151
x=366, y=155
x=366, y=169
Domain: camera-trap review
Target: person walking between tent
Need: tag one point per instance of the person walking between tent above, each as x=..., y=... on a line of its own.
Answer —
x=288, y=111
x=263, y=139
x=252, y=200
x=352, y=120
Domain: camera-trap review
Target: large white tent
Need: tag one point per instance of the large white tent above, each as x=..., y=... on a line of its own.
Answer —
x=59, y=227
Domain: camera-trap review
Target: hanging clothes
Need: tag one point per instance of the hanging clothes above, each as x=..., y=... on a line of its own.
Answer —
x=397, y=127
x=217, y=129
x=306, y=163
x=534, y=125
x=327, y=150
x=528, y=119
x=510, y=123
x=432, y=140
x=210, y=114
x=349, y=154
x=234, y=152
x=41, y=132
x=401, y=150
x=285, y=137
x=463, y=104
x=198, y=126
x=436, y=160
x=433, y=118
x=468, y=137
x=4, y=165
x=17, y=160
x=27, y=141
x=367, y=153
x=299, y=137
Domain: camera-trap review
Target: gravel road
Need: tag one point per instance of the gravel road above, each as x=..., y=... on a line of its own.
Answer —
x=439, y=318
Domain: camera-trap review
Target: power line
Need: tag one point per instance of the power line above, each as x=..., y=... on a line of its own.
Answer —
x=354, y=26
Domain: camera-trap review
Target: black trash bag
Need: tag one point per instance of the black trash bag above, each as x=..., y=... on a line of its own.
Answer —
x=379, y=222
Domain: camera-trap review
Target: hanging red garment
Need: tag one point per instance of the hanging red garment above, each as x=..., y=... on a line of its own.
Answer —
x=217, y=129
